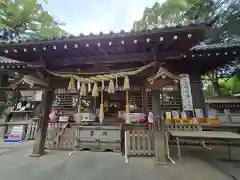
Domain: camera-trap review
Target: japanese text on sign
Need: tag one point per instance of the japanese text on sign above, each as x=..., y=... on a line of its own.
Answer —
x=186, y=92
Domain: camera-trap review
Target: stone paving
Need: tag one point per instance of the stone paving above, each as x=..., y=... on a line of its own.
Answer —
x=59, y=165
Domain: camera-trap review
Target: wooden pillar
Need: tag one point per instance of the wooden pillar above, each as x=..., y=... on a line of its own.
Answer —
x=38, y=149
x=3, y=100
x=197, y=93
x=144, y=101
x=160, y=143
x=227, y=115
x=3, y=83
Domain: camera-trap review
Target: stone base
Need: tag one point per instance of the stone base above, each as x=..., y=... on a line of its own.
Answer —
x=161, y=162
x=37, y=155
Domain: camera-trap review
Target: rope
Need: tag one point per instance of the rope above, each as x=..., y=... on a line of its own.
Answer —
x=99, y=78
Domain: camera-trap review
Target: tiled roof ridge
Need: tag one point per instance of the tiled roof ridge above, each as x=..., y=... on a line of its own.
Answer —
x=101, y=34
x=215, y=46
x=9, y=61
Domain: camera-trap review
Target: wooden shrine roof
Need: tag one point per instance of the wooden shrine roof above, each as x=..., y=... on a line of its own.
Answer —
x=108, y=48
x=118, y=51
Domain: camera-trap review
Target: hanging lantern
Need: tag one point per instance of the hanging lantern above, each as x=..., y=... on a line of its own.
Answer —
x=95, y=90
x=71, y=85
x=111, y=88
x=83, y=90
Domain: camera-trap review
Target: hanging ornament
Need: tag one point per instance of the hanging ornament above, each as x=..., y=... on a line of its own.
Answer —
x=126, y=84
x=95, y=90
x=163, y=76
x=83, y=90
x=101, y=113
x=111, y=88
x=116, y=83
x=78, y=85
x=103, y=85
x=89, y=87
x=71, y=85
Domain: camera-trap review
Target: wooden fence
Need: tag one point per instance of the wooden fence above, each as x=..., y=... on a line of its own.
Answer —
x=31, y=131
x=139, y=142
x=58, y=135
x=71, y=136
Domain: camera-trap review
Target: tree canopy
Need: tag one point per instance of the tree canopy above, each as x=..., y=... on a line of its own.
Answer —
x=27, y=19
x=223, y=15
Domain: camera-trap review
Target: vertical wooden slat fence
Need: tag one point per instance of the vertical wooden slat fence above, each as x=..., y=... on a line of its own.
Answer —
x=59, y=137
x=139, y=142
x=31, y=131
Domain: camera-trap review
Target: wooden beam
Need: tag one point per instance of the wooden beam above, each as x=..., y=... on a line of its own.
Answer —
x=105, y=59
x=38, y=149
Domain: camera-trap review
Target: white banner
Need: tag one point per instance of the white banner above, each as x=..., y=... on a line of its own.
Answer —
x=186, y=92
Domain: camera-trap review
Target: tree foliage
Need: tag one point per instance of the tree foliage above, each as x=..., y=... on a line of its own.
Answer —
x=222, y=87
x=224, y=13
x=27, y=19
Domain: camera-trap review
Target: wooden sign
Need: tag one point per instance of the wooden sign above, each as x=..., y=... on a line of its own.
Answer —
x=16, y=135
x=186, y=92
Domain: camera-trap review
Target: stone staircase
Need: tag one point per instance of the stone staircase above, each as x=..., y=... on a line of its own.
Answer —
x=65, y=101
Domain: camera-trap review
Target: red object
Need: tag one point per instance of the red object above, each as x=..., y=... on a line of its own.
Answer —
x=52, y=121
x=14, y=136
x=140, y=121
x=55, y=110
x=148, y=122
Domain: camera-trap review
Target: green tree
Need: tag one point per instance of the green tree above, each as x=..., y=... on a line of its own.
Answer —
x=222, y=87
x=27, y=19
x=224, y=14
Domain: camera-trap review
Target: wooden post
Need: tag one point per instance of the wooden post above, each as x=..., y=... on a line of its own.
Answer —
x=144, y=101
x=227, y=115
x=159, y=135
x=38, y=149
x=197, y=92
x=3, y=83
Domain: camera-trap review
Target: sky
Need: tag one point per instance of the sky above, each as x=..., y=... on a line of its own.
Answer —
x=86, y=16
